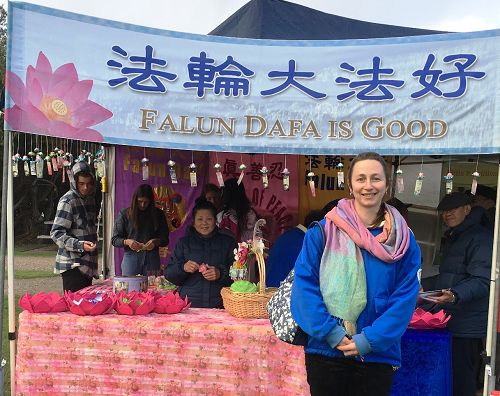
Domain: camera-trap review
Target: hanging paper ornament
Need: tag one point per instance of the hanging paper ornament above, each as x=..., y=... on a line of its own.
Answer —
x=400, y=185
x=32, y=163
x=265, y=180
x=53, y=158
x=286, y=179
x=312, y=186
x=145, y=168
x=242, y=173
x=340, y=176
x=89, y=156
x=81, y=156
x=49, y=165
x=192, y=175
x=473, y=188
x=449, y=182
x=15, y=164
x=171, y=170
x=36, y=150
x=39, y=165
x=218, y=173
x=26, y=165
x=67, y=167
x=418, y=183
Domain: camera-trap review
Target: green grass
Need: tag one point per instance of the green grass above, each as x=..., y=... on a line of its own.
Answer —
x=20, y=252
x=28, y=274
x=5, y=341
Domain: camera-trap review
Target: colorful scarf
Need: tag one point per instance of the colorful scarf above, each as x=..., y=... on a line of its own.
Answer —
x=342, y=277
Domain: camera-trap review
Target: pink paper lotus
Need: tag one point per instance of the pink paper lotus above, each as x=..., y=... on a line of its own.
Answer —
x=134, y=303
x=170, y=303
x=93, y=303
x=43, y=302
x=54, y=103
x=425, y=320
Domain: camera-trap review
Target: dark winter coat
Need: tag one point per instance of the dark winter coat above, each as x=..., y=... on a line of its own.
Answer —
x=466, y=268
x=217, y=251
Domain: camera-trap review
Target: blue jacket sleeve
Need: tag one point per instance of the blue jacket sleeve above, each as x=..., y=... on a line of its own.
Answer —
x=175, y=269
x=307, y=306
x=389, y=327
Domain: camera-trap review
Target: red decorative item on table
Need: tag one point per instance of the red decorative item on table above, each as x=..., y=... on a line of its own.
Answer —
x=43, y=303
x=89, y=303
x=170, y=303
x=134, y=303
x=425, y=320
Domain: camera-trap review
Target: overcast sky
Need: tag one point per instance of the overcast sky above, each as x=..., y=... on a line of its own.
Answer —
x=202, y=16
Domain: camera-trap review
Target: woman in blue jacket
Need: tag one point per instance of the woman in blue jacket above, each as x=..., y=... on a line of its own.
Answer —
x=355, y=288
x=201, y=259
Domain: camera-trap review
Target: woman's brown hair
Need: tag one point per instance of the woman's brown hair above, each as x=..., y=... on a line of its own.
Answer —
x=138, y=217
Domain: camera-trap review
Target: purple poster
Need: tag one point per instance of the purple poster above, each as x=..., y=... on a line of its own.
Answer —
x=176, y=199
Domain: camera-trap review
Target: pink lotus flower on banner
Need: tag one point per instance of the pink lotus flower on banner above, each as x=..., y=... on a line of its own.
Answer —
x=425, y=320
x=89, y=303
x=43, y=302
x=54, y=102
x=170, y=303
x=134, y=303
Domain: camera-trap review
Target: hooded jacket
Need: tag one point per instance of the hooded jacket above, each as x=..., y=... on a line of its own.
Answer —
x=216, y=250
x=74, y=223
x=465, y=268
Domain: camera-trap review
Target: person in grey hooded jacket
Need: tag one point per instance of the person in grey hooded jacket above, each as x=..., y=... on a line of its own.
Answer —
x=75, y=232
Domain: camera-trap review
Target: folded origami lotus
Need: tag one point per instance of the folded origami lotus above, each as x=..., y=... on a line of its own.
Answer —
x=170, y=303
x=134, y=303
x=425, y=320
x=43, y=302
x=89, y=303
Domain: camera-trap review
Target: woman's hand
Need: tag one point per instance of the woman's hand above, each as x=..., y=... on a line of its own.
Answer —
x=191, y=266
x=150, y=245
x=134, y=245
x=348, y=347
x=446, y=298
x=211, y=273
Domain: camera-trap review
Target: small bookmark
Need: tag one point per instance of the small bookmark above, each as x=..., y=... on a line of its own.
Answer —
x=218, y=173
x=242, y=173
x=418, y=183
x=286, y=179
x=400, y=183
x=145, y=168
x=49, y=165
x=312, y=186
x=473, y=188
x=15, y=163
x=171, y=170
x=265, y=179
x=449, y=182
x=39, y=165
x=26, y=165
x=192, y=175
x=340, y=176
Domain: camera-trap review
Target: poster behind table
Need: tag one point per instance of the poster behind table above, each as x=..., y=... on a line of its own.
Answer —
x=278, y=207
x=175, y=199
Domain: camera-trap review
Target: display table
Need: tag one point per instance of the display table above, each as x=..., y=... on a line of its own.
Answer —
x=197, y=352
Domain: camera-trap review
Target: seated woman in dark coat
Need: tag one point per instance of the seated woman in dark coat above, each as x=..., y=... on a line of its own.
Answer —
x=201, y=259
x=141, y=229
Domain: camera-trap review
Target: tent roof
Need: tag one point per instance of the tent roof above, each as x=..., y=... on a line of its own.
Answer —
x=278, y=19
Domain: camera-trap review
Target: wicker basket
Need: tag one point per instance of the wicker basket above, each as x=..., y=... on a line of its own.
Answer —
x=249, y=305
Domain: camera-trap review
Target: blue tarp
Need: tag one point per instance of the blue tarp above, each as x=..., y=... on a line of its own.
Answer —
x=281, y=20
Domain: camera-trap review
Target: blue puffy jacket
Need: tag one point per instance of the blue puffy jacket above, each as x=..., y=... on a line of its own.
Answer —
x=392, y=290
x=466, y=267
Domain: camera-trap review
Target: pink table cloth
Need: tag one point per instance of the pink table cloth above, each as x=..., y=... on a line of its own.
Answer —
x=196, y=352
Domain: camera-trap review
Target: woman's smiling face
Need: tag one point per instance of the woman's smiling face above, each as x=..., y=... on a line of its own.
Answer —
x=368, y=183
x=204, y=222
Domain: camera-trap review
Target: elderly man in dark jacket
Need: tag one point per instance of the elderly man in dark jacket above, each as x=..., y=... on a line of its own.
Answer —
x=464, y=275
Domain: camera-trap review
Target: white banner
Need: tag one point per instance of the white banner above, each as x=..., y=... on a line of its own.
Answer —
x=86, y=78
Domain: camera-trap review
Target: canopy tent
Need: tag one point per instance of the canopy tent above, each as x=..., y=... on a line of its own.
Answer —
x=182, y=108
x=282, y=20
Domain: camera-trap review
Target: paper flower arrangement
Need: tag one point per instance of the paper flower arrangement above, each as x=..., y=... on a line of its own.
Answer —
x=426, y=320
x=93, y=303
x=43, y=303
x=134, y=303
x=242, y=256
x=170, y=303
